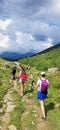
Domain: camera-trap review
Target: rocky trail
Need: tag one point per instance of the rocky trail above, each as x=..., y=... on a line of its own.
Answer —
x=8, y=106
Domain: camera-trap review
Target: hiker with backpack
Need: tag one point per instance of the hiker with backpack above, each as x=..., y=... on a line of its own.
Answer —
x=22, y=79
x=13, y=72
x=42, y=85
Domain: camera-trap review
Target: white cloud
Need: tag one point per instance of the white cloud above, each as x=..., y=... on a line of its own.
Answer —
x=48, y=43
x=56, y=7
x=4, y=41
x=42, y=45
x=29, y=25
x=5, y=23
x=27, y=42
x=23, y=38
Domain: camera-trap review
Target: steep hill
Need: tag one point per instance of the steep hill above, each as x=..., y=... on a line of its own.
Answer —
x=45, y=59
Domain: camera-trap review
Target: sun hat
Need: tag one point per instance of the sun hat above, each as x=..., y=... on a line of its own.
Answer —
x=43, y=73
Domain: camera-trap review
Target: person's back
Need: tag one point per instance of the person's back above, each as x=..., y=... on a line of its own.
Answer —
x=42, y=85
x=14, y=68
x=23, y=77
x=13, y=72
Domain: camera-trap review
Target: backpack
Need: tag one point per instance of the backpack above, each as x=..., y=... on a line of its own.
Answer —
x=13, y=69
x=23, y=76
x=44, y=86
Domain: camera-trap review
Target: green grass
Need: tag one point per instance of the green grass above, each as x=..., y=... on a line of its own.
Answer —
x=29, y=121
x=15, y=116
x=37, y=63
x=45, y=60
x=4, y=80
x=42, y=63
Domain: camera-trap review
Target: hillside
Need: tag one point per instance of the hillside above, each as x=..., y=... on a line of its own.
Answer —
x=24, y=113
x=44, y=60
x=15, y=56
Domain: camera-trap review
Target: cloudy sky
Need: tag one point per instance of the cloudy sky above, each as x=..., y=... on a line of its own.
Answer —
x=29, y=25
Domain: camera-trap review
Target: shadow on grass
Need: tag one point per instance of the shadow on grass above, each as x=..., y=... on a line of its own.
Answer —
x=49, y=107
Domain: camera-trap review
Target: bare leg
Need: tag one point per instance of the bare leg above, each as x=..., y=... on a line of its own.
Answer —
x=12, y=79
x=21, y=89
x=42, y=107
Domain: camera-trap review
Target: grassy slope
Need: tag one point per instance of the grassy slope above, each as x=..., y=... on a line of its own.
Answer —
x=4, y=78
x=44, y=61
x=37, y=63
x=41, y=62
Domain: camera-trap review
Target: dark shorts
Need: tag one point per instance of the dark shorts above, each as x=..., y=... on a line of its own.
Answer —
x=13, y=72
x=41, y=96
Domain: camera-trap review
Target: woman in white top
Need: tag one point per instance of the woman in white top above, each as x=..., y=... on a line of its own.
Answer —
x=42, y=95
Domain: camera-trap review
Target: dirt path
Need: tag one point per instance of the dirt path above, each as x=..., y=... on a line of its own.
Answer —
x=6, y=117
x=41, y=125
x=8, y=106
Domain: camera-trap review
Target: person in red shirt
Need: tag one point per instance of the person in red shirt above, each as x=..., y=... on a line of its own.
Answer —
x=22, y=78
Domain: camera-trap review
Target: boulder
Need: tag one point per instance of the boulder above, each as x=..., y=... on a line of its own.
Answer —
x=53, y=70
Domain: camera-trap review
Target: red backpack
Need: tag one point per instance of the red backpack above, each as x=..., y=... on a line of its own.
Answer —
x=24, y=76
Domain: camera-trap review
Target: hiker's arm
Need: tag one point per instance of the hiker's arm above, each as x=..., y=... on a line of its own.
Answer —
x=35, y=85
x=19, y=74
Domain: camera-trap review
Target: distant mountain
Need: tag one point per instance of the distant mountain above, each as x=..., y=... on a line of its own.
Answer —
x=13, y=55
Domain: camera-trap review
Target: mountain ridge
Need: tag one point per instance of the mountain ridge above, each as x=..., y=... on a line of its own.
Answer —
x=12, y=56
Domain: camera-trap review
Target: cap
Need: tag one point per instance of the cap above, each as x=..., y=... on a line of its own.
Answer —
x=43, y=73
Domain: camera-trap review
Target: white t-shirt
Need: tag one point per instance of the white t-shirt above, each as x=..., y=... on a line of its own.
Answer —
x=39, y=82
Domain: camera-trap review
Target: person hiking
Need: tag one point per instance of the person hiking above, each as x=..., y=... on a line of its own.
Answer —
x=22, y=78
x=42, y=85
x=13, y=72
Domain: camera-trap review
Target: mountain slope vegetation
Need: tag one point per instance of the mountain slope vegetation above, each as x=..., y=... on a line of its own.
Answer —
x=26, y=114
x=44, y=60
